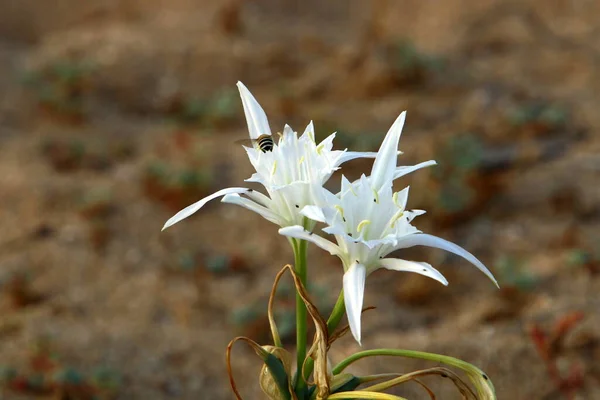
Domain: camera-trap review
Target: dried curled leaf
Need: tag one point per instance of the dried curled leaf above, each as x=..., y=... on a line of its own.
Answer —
x=275, y=368
x=319, y=348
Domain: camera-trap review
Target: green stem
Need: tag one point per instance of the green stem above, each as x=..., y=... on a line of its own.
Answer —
x=483, y=384
x=336, y=314
x=301, y=316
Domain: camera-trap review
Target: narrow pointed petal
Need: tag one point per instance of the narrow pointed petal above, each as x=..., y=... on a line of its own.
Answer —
x=420, y=268
x=385, y=163
x=298, y=232
x=354, y=291
x=189, y=210
x=252, y=206
x=412, y=214
x=351, y=155
x=423, y=239
x=402, y=198
x=310, y=131
x=313, y=212
x=259, y=198
x=288, y=132
x=401, y=171
x=258, y=124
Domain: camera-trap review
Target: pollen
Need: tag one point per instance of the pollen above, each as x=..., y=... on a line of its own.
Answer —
x=274, y=169
x=395, y=198
x=362, y=224
x=320, y=148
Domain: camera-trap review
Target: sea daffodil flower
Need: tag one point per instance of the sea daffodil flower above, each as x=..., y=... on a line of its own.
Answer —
x=369, y=222
x=290, y=172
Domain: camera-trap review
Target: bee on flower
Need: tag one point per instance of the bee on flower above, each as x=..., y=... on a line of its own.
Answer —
x=289, y=169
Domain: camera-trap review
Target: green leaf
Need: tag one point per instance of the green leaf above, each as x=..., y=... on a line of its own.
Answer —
x=483, y=385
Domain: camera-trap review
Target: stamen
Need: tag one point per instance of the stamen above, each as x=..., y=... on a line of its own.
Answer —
x=395, y=218
x=341, y=211
x=274, y=168
x=301, y=160
x=362, y=224
x=376, y=196
x=352, y=190
x=311, y=136
x=320, y=148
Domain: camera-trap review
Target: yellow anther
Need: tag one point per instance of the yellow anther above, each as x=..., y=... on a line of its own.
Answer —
x=301, y=160
x=274, y=168
x=311, y=136
x=376, y=195
x=362, y=224
x=340, y=210
x=320, y=148
x=395, y=218
x=352, y=190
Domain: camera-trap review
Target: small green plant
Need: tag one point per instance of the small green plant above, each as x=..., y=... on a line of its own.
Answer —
x=175, y=186
x=459, y=159
x=216, y=110
x=73, y=155
x=513, y=273
x=411, y=65
x=582, y=258
x=60, y=88
x=539, y=117
x=48, y=376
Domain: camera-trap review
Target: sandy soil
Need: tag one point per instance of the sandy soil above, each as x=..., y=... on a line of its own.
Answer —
x=101, y=100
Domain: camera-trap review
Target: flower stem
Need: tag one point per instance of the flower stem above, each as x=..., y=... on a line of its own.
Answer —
x=301, y=315
x=336, y=314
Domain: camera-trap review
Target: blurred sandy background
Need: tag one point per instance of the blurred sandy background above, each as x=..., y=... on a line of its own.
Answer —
x=116, y=114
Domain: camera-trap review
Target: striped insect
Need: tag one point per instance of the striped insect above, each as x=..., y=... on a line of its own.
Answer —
x=264, y=142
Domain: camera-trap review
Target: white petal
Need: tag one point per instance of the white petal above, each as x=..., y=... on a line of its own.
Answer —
x=401, y=171
x=252, y=206
x=259, y=198
x=288, y=132
x=298, y=232
x=402, y=197
x=258, y=124
x=310, y=131
x=412, y=214
x=421, y=268
x=313, y=212
x=385, y=163
x=189, y=210
x=423, y=239
x=258, y=178
x=351, y=155
x=354, y=291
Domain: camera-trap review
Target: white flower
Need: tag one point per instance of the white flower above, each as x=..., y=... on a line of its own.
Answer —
x=369, y=222
x=291, y=172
